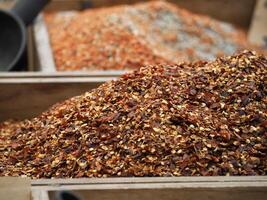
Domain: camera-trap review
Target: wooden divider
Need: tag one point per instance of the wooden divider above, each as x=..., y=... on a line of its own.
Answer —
x=167, y=188
x=27, y=95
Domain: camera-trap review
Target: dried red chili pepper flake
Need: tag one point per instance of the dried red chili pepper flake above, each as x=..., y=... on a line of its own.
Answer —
x=131, y=36
x=116, y=130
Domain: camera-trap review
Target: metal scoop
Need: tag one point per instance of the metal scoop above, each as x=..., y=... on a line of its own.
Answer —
x=13, y=25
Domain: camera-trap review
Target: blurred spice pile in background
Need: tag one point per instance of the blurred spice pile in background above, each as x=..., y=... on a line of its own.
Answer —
x=181, y=120
x=131, y=36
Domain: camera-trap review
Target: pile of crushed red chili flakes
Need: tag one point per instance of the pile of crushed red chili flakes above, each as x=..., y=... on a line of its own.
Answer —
x=130, y=36
x=206, y=118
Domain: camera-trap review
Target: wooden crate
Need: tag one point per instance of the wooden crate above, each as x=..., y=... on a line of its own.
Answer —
x=171, y=188
x=44, y=50
x=239, y=12
x=25, y=95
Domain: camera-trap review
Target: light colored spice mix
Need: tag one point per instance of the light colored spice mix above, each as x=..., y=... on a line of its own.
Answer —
x=184, y=120
x=131, y=36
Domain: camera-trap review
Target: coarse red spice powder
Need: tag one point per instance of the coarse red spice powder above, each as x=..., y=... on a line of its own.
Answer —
x=200, y=119
x=131, y=36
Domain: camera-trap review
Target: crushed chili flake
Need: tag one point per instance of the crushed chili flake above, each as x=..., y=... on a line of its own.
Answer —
x=200, y=119
x=131, y=36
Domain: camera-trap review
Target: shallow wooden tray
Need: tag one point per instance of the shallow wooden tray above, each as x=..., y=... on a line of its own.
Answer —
x=232, y=9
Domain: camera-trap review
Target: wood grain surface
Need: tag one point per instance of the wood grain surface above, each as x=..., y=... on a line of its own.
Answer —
x=27, y=96
x=168, y=188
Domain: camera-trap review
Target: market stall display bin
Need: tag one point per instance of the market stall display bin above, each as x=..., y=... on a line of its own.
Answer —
x=204, y=187
x=25, y=95
x=48, y=58
x=244, y=10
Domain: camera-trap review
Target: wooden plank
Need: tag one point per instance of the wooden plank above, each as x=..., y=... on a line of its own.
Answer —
x=77, y=74
x=25, y=98
x=141, y=186
x=258, y=29
x=169, y=188
x=55, y=80
x=42, y=42
x=14, y=188
x=136, y=180
x=39, y=194
x=30, y=49
x=61, y=5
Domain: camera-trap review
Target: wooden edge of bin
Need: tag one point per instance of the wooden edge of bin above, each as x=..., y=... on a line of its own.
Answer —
x=169, y=188
x=258, y=28
x=134, y=180
x=44, y=50
x=25, y=75
x=25, y=98
x=40, y=80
